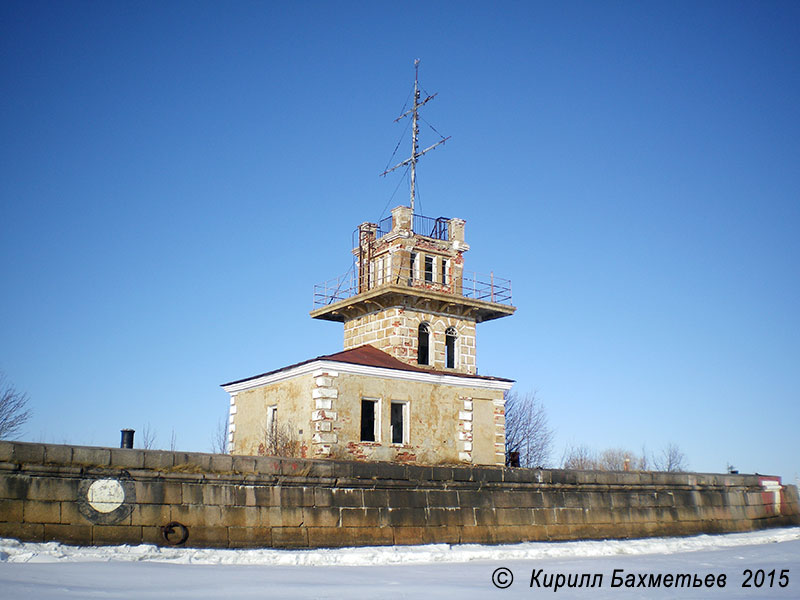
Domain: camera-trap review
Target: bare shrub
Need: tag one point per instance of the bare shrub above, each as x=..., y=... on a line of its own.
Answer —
x=148, y=438
x=580, y=458
x=671, y=459
x=619, y=459
x=14, y=411
x=527, y=430
x=219, y=441
x=280, y=440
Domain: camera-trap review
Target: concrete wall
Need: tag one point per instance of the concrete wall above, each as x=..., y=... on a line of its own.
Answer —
x=85, y=495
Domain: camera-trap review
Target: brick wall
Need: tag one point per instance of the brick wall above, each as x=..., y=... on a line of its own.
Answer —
x=87, y=495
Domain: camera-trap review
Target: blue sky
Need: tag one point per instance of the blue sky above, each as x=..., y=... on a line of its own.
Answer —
x=175, y=177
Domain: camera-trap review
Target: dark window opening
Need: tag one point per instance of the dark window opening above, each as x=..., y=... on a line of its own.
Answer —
x=397, y=423
x=368, y=420
x=429, y=269
x=412, y=268
x=450, y=348
x=444, y=271
x=423, y=342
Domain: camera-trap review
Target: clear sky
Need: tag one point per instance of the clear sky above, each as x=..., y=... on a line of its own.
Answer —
x=175, y=177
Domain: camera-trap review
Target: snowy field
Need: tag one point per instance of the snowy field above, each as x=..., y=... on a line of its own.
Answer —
x=44, y=571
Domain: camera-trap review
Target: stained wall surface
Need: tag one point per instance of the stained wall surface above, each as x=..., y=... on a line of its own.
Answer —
x=321, y=412
x=396, y=331
x=87, y=495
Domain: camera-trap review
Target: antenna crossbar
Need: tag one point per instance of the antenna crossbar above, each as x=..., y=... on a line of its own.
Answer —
x=415, y=152
x=408, y=160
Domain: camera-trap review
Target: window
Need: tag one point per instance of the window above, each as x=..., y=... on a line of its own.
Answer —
x=379, y=264
x=271, y=431
x=399, y=419
x=444, y=271
x=272, y=421
x=369, y=424
x=423, y=343
x=450, y=347
x=428, y=269
x=412, y=272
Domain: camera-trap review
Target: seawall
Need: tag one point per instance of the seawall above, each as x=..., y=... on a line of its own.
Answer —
x=90, y=495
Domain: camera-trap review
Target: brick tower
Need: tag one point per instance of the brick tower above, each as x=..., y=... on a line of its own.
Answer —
x=408, y=293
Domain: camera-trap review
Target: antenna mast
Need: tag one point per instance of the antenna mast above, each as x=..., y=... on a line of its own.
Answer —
x=415, y=153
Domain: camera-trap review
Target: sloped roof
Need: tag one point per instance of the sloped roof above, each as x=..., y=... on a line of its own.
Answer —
x=371, y=357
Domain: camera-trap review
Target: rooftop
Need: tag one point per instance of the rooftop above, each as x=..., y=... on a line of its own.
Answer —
x=371, y=357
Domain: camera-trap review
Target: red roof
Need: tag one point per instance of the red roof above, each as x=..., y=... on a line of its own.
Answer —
x=369, y=356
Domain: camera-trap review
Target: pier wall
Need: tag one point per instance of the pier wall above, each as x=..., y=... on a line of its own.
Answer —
x=99, y=496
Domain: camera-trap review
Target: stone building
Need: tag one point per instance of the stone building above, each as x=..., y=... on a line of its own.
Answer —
x=406, y=386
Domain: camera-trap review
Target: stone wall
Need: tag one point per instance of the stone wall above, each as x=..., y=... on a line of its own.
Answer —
x=87, y=495
x=396, y=331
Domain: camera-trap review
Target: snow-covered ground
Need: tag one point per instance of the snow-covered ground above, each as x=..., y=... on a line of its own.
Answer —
x=44, y=571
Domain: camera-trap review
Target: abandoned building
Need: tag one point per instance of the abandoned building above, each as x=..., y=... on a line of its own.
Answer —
x=406, y=387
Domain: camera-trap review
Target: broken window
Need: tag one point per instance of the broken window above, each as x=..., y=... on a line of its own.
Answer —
x=398, y=422
x=450, y=347
x=428, y=269
x=271, y=432
x=369, y=426
x=423, y=342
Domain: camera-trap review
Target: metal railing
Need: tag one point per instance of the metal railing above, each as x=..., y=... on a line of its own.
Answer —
x=487, y=288
x=432, y=228
x=335, y=290
x=421, y=225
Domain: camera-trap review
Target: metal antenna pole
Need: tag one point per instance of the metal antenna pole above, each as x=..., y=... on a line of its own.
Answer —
x=415, y=153
x=414, y=133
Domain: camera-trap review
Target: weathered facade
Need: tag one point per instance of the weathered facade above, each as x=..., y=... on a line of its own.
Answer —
x=364, y=404
x=405, y=388
x=410, y=295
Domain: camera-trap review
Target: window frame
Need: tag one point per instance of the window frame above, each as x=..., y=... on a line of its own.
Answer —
x=428, y=274
x=376, y=420
x=405, y=422
x=451, y=352
x=272, y=420
x=427, y=332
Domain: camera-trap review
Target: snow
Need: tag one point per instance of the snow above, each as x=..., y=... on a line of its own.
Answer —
x=52, y=570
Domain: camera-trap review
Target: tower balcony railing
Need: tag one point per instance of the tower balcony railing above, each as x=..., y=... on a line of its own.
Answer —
x=426, y=226
x=476, y=286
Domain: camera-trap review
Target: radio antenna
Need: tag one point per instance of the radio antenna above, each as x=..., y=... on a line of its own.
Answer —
x=415, y=151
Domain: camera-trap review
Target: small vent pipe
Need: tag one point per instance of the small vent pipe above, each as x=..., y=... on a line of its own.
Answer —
x=127, y=438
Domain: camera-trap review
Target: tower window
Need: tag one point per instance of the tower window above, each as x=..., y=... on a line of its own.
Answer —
x=423, y=344
x=444, y=271
x=379, y=263
x=399, y=418
x=412, y=269
x=369, y=424
x=450, y=347
x=429, y=269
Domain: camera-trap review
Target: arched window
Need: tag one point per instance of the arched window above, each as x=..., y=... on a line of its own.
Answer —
x=423, y=344
x=450, y=347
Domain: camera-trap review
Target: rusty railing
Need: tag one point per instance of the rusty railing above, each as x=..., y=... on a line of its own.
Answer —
x=487, y=288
